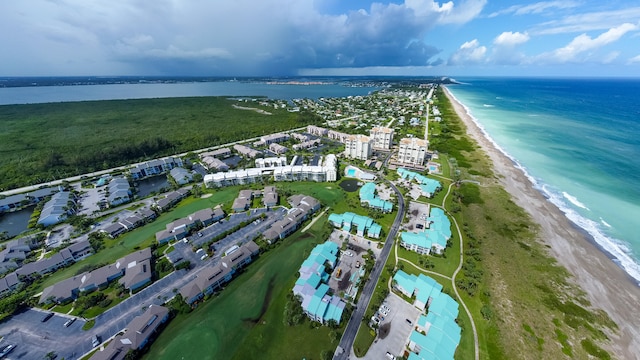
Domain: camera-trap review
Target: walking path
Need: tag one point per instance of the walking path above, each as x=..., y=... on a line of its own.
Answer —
x=453, y=277
x=315, y=219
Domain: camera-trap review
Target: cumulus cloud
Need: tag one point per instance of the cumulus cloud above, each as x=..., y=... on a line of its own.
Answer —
x=586, y=44
x=219, y=37
x=471, y=52
x=505, y=48
x=509, y=38
x=535, y=8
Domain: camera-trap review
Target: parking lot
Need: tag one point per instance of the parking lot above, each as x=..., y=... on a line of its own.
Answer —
x=351, y=260
x=418, y=214
x=34, y=339
x=394, y=330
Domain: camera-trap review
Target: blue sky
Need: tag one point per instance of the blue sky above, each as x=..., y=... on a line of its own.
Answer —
x=320, y=37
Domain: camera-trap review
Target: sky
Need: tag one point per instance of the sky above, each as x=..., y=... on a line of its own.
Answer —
x=320, y=37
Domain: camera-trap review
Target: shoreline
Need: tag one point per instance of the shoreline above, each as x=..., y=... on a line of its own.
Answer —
x=606, y=284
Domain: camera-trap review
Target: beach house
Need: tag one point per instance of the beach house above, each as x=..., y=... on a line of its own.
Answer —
x=369, y=198
x=311, y=287
x=436, y=334
x=434, y=236
x=362, y=224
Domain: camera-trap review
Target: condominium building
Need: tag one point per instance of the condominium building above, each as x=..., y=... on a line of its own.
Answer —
x=382, y=137
x=325, y=172
x=154, y=167
x=316, y=130
x=412, y=151
x=358, y=147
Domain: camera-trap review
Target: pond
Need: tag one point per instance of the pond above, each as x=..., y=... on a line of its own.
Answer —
x=152, y=184
x=349, y=185
x=15, y=222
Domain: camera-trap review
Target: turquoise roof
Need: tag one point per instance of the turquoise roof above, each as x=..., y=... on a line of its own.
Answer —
x=375, y=230
x=361, y=222
x=422, y=321
x=425, y=287
x=442, y=332
x=438, y=233
x=405, y=281
x=419, y=239
x=316, y=302
x=444, y=305
x=335, y=218
x=334, y=312
x=427, y=185
x=368, y=194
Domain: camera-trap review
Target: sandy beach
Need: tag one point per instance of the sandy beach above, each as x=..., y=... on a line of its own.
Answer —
x=607, y=286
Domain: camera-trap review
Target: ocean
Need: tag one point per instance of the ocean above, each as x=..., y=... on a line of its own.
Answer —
x=578, y=141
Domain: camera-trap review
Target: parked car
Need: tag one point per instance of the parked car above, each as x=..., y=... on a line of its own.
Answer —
x=47, y=317
x=69, y=322
x=6, y=350
x=95, y=340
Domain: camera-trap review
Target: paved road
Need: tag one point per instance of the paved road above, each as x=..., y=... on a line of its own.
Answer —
x=346, y=343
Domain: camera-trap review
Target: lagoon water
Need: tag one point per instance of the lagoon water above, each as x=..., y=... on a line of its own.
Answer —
x=47, y=94
x=579, y=143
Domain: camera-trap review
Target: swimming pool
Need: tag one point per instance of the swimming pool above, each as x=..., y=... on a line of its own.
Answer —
x=351, y=172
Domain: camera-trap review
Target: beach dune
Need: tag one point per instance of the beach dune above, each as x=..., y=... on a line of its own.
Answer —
x=606, y=285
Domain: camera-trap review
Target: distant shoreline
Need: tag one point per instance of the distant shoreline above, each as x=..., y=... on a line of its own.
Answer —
x=606, y=284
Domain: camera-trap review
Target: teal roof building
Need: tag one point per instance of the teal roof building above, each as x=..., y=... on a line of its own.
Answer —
x=368, y=197
x=428, y=187
x=311, y=286
x=433, y=238
x=437, y=334
x=348, y=221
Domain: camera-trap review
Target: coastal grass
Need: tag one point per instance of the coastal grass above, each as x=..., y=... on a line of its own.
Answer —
x=523, y=303
x=142, y=237
x=42, y=142
x=245, y=319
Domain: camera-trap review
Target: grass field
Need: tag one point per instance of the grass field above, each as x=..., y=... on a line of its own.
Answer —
x=245, y=320
x=41, y=142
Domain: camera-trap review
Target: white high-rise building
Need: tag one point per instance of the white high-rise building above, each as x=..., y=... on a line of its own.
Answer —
x=382, y=137
x=413, y=151
x=357, y=146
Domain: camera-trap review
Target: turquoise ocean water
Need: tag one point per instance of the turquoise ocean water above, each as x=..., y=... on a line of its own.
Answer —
x=578, y=141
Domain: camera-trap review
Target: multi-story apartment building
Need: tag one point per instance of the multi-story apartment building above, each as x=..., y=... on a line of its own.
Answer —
x=382, y=137
x=358, y=147
x=412, y=151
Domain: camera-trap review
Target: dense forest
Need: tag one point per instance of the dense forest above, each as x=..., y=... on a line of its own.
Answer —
x=43, y=142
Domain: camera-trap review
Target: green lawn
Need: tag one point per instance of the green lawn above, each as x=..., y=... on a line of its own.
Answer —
x=245, y=319
x=363, y=341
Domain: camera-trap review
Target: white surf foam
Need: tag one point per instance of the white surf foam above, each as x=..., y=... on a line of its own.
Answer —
x=618, y=249
x=572, y=199
x=488, y=105
x=605, y=223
